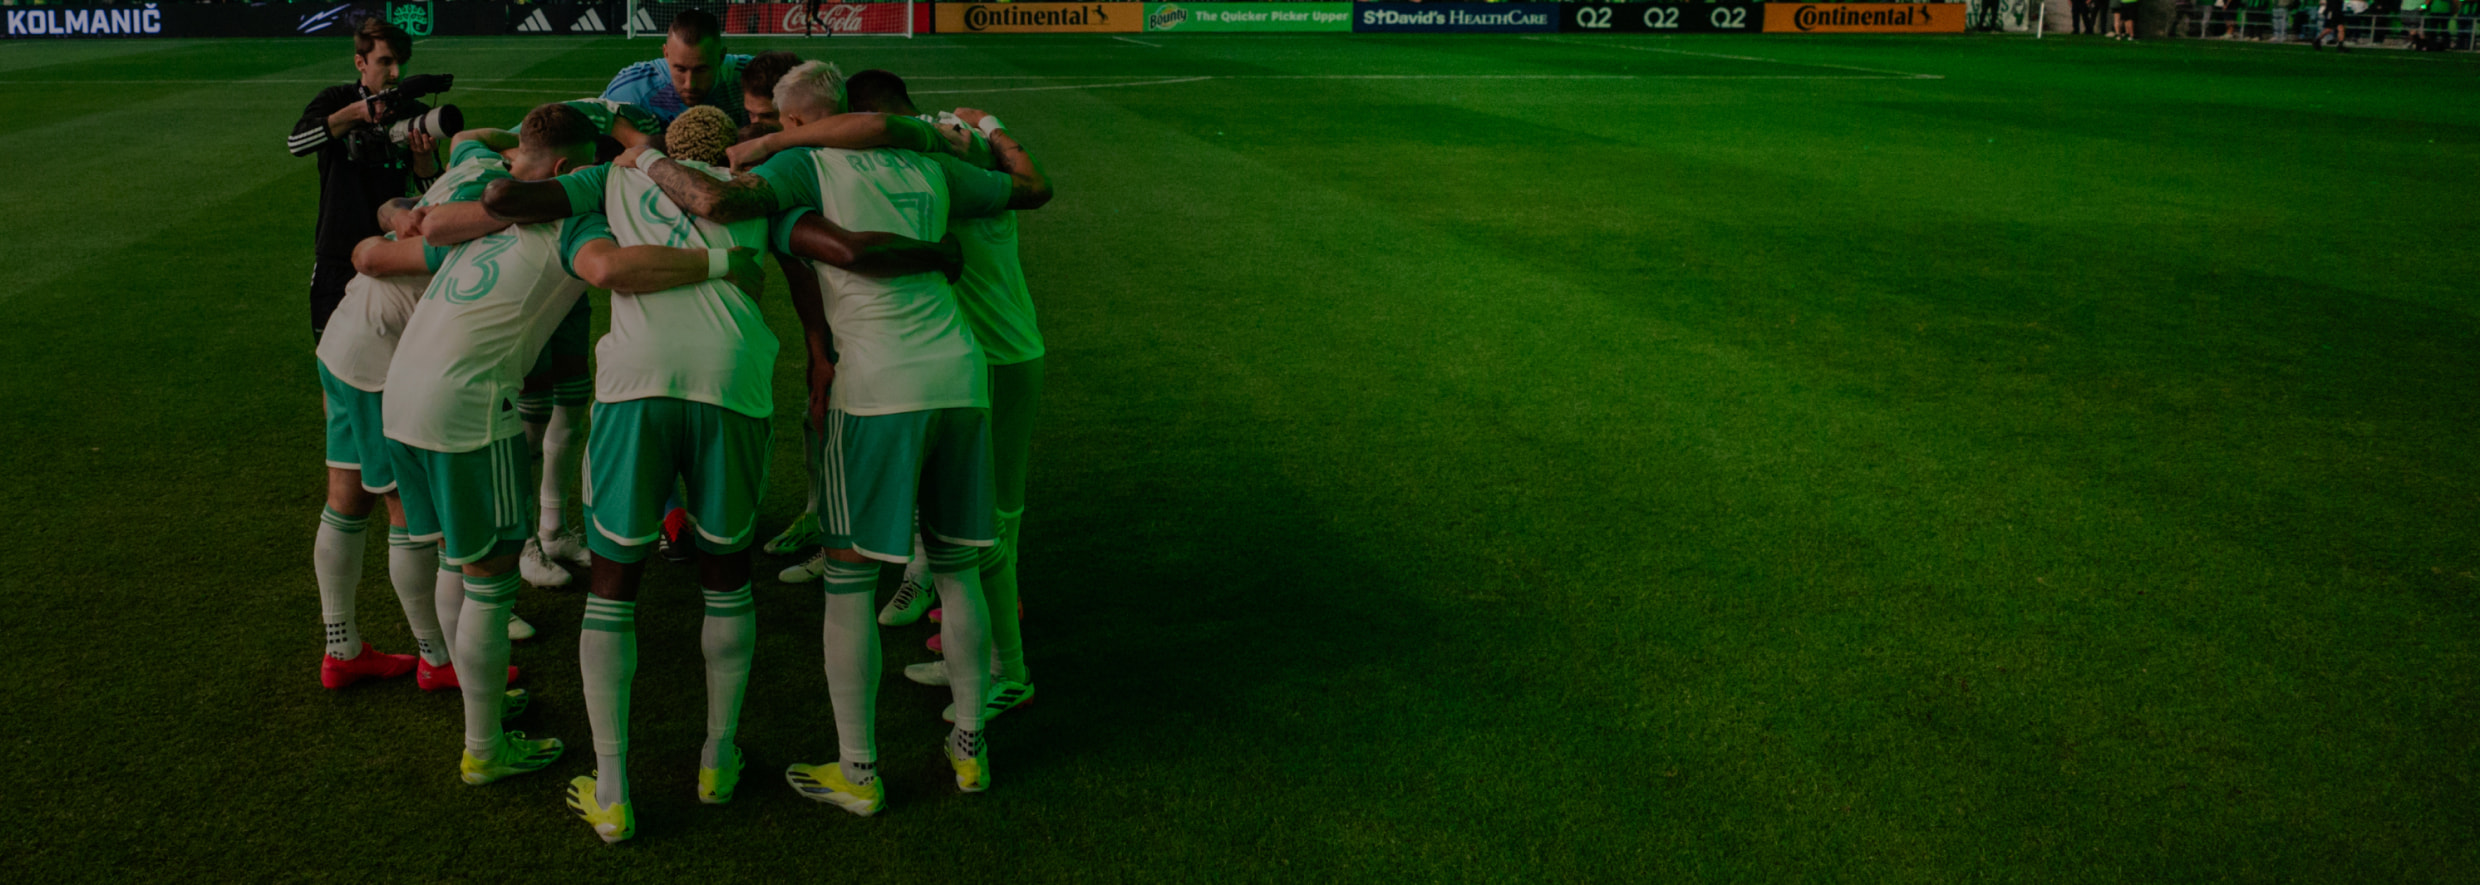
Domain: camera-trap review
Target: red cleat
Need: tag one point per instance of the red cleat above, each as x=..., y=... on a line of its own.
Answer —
x=431, y=678
x=934, y=645
x=370, y=664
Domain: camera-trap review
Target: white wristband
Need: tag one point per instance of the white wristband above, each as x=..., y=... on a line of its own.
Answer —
x=718, y=263
x=989, y=125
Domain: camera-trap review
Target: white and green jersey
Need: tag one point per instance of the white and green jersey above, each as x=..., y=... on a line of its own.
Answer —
x=479, y=326
x=705, y=342
x=361, y=336
x=901, y=343
x=992, y=289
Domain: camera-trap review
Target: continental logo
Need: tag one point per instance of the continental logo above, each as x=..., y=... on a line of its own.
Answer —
x=1863, y=17
x=1166, y=18
x=983, y=18
x=1810, y=18
x=1040, y=18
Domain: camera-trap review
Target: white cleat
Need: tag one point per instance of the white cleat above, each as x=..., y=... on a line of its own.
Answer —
x=518, y=629
x=811, y=569
x=932, y=673
x=568, y=545
x=912, y=600
x=535, y=566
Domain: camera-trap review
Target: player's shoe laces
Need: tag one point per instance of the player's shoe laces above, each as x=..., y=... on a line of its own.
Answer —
x=516, y=755
x=972, y=772
x=795, y=536
x=613, y=822
x=808, y=570
x=442, y=677
x=568, y=545
x=826, y=783
x=535, y=566
x=370, y=664
x=931, y=673
x=518, y=629
x=1003, y=696
x=715, y=785
x=913, y=597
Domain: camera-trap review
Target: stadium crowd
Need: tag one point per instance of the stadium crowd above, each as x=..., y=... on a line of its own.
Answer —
x=451, y=327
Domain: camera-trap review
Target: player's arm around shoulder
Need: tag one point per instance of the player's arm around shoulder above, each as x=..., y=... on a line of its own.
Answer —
x=1028, y=187
x=743, y=196
x=632, y=270
x=549, y=199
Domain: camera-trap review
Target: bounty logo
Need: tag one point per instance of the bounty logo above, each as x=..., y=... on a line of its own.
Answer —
x=1164, y=19
x=538, y=23
x=591, y=22
x=414, y=18
x=319, y=21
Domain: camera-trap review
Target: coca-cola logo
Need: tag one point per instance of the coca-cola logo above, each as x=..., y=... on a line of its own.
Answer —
x=841, y=17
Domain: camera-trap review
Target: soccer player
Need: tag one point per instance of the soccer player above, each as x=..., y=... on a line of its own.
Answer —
x=1000, y=312
x=907, y=422
x=758, y=80
x=450, y=411
x=558, y=389
x=352, y=183
x=684, y=393
x=693, y=71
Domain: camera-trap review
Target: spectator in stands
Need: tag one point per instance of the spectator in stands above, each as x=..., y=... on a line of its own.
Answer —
x=2333, y=25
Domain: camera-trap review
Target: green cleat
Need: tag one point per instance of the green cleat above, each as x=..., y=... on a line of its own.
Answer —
x=613, y=822
x=826, y=783
x=515, y=756
x=715, y=785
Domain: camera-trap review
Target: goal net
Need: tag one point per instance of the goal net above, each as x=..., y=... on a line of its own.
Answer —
x=884, y=18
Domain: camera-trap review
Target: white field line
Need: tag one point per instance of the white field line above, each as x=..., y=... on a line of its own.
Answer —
x=1138, y=42
x=1908, y=75
x=1013, y=78
x=1066, y=86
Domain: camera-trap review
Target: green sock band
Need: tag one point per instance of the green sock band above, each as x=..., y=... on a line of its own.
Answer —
x=609, y=615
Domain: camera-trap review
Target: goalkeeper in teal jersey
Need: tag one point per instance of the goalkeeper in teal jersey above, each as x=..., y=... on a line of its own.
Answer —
x=683, y=391
x=1000, y=312
x=450, y=412
x=907, y=419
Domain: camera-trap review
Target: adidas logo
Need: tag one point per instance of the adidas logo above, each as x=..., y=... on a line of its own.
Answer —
x=538, y=23
x=591, y=22
x=642, y=22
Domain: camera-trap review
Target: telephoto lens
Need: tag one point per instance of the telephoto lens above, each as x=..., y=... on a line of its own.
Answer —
x=440, y=123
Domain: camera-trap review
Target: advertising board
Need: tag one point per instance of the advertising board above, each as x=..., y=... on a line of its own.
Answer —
x=1864, y=18
x=1179, y=17
x=1041, y=18
x=1454, y=18
x=1663, y=18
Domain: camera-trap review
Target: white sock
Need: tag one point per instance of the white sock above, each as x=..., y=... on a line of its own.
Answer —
x=336, y=559
x=853, y=664
x=413, y=570
x=920, y=564
x=448, y=601
x=482, y=658
x=607, y=659
x=564, y=449
x=728, y=637
x=964, y=630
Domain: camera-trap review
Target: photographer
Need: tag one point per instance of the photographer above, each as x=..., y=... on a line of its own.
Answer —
x=360, y=166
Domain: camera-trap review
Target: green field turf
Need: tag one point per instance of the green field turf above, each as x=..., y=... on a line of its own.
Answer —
x=1482, y=458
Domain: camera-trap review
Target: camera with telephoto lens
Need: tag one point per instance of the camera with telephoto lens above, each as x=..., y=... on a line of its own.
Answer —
x=401, y=117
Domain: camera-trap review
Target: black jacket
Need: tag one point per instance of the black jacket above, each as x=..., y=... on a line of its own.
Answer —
x=349, y=192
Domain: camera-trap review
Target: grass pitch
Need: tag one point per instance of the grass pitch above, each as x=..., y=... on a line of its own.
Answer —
x=1756, y=459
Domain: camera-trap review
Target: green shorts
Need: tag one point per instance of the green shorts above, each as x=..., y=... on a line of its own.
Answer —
x=355, y=438
x=476, y=504
x=640, y=446
x=879, y=468
x=570, y=339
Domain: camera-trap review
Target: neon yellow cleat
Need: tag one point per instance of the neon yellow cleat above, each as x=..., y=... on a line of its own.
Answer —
x=826, y=783
x=972, y=772
x=515, y=756
x=613, y=822
x=715, y=785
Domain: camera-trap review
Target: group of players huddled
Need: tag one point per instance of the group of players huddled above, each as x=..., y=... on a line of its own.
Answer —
x=456, y=359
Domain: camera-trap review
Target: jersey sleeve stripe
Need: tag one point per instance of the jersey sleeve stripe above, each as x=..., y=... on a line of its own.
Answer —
x=304, y=143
